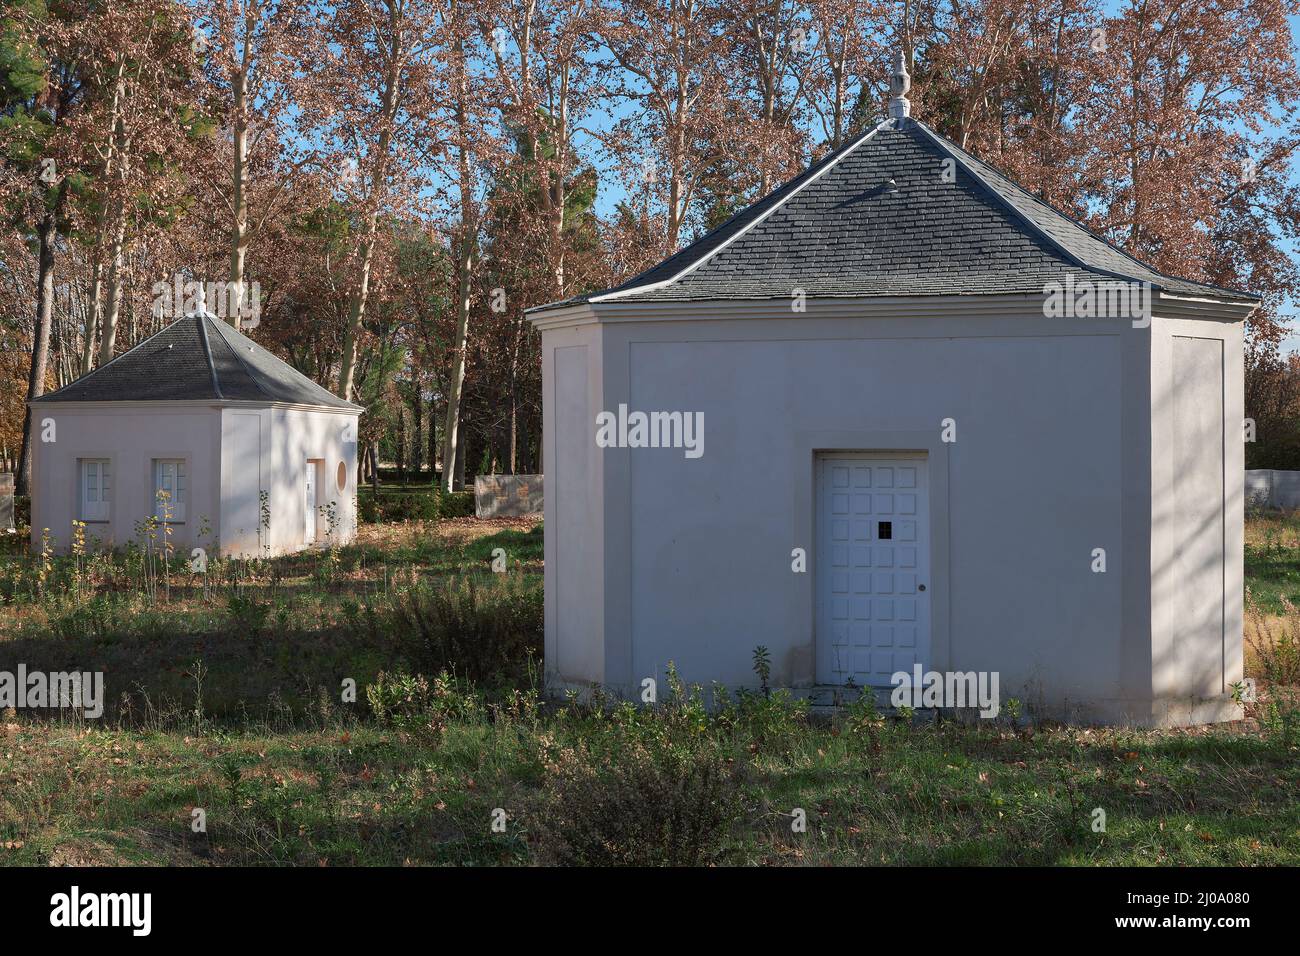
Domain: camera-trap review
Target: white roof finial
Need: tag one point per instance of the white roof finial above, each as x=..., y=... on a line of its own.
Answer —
x=200, y=301
x=899, y=83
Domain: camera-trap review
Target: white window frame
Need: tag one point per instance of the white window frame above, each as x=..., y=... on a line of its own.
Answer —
x=100, y=509
x=159, y=479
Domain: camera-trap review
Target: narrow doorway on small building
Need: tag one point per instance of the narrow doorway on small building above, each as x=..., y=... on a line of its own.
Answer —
x=310, y=513
x=873, y=566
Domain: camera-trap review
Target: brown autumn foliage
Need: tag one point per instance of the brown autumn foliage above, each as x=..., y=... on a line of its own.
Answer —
x=398, y=180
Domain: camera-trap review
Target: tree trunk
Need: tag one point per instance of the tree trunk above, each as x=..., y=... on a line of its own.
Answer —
x=357, y=307
x=522, y=456
x=92, y=317
x=417, y=446
x=41, y=346
x=433, y=444
x=109, y=338
x=96, y=325
x=453, y=445
x=356, y=315
x=514, y=430
x=401, y=446
x=118, y=159
x=460, y=460
x=453, y=442
x=239, y=204
x=514, y=395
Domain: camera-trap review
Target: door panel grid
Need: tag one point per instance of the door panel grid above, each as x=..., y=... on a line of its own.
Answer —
x=873, y=608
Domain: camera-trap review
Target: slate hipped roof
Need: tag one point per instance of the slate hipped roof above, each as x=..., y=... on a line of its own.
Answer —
x=878, y=218
x=197, y=358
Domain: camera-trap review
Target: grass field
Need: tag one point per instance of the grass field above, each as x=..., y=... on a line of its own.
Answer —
x=227, y=709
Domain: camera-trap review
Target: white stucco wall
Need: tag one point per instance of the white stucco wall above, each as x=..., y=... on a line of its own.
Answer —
x=324, y=437
x=130, y=438
x=658, y=557
x=1198, y=469
x=285, y=440
x=246, y=439
x=574, y=547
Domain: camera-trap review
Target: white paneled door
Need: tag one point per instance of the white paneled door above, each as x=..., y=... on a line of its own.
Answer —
x=873, y=567
x=309, y=530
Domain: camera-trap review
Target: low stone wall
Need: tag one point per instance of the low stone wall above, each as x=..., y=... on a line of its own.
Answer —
x=503, y=496
x=1267, y=488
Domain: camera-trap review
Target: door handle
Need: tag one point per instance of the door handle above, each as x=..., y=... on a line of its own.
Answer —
x=920, y=587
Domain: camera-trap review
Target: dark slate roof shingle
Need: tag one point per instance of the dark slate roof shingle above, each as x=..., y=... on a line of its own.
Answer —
x=197, y=358
x=840, y=230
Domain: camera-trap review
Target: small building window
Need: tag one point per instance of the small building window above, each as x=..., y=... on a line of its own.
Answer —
x=341, y=477
x=96, y=489
x=169, y=480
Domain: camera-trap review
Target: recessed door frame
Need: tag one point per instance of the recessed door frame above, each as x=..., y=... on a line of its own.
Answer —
x=814, y=444
x=876, y=524
x=312, y=476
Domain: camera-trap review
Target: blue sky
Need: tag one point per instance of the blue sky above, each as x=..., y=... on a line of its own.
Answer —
x=611, y=192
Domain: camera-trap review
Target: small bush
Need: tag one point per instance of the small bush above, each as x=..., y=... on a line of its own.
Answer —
x=455, y=504
x=248, y=614
x=1276, y=643
x=651, y=807
x=415, y=704
x=863, y=723
x=97, y=618
x=408, y=507
x=1278, y=713
x=482, y=629
x=423, y=505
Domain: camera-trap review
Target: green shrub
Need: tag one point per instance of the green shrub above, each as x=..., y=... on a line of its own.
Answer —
x=415, y=704
x=413, y=506
x=248, y=614
x=863, y=723
x=97, y=618
x=482, y=629
x=1276, y=642
x=650, y=807
x=771, y=720
x=417, y=505
x=22, y=512
x=455, y=504
x=1278, y=714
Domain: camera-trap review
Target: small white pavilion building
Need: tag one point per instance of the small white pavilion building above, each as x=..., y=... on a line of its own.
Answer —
x=255, y=458
x=901, y=413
